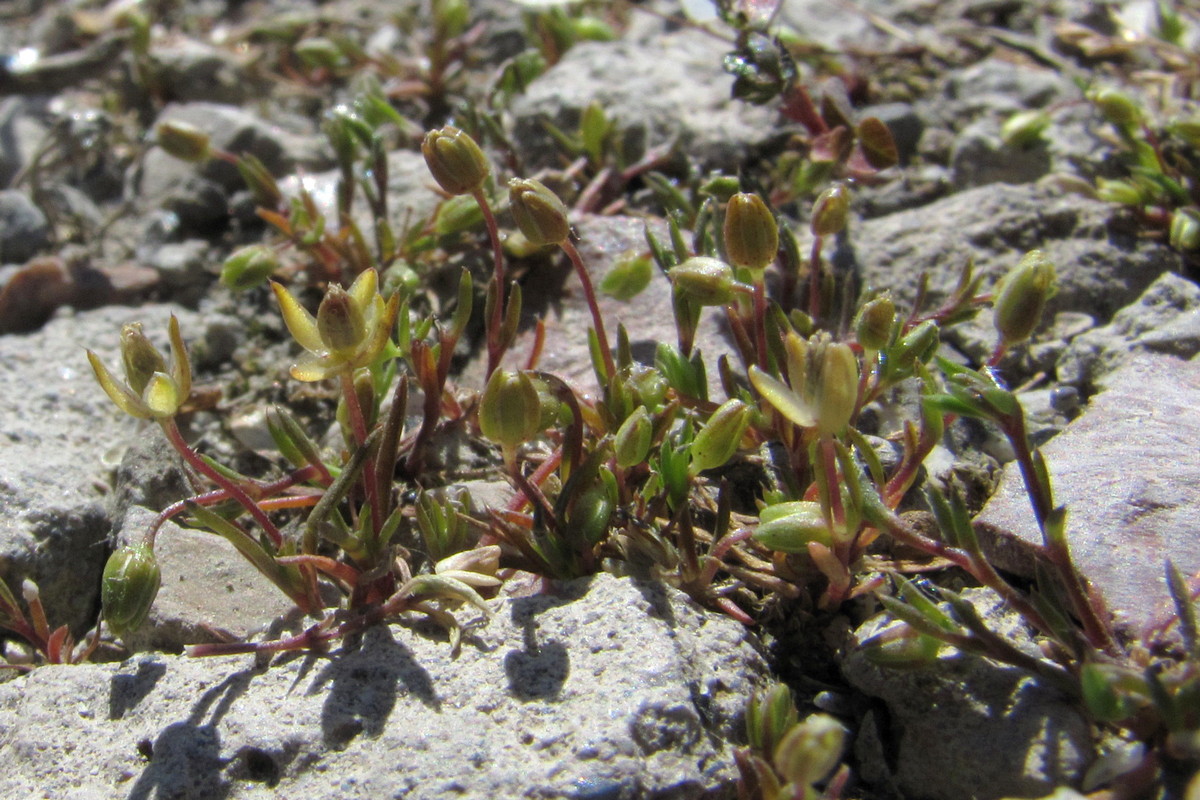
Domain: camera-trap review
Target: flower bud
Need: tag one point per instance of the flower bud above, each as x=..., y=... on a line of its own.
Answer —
x=1186, y=129
x=1024, y=128
x=457, y=163
x=317, y=52
x=810, y=751
x=873, y=323
x=1127, y=193
x=831, y=210
x=919, y=344
x=789, y=527
x=1185, y=229
x=185, y=142
x=704, y=281
x=1021, y=297
x=510, y=409
x=751, y=233
x=140, y=358
x=718, y=440
x=591, y=513
x=539, y=213
x=633, y=439
x=769, y=716
x=249, y=267
x=826, y=373
x=339, y=321
x=1116, y=107
x=129, y=586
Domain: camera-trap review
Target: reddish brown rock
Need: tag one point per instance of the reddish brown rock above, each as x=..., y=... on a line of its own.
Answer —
x=1128, y=471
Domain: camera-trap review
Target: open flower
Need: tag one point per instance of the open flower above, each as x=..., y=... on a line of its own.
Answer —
x=824, y=384
x=350, y=330
x=151, y=390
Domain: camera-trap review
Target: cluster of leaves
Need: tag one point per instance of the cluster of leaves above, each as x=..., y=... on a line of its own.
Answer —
x=638, y=478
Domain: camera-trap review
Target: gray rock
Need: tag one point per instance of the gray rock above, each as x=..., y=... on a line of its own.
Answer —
x=58, y=426
x=187, y=268
x=210, y=592
x=23, y=127
x=1165, y=319
x=670, y=89
x=607, y=688
x=1127, y=471
x=980, y=157
x=966, y=726
x=198, y=193
x=24, y=229
x=191, y=71
x=1100, y=269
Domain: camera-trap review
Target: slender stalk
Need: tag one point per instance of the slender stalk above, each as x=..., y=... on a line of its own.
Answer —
x=814, y=280
x=494, y=346
x=590, y=293
x=235, y=492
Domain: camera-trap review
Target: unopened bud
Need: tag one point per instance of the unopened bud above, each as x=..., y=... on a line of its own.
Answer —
x=457, y=163
x=1126, y=193
x=1024, y=128
x=510, y=410
x=633, y=439
x=751, y=233
x=831, y=211
x=1185, y=229
x=810, y=751
x=1186, y=129
x=718, y=440
x=185, y=142
x=704, y=281
x=140, y=358
x=789, y=527
x=874, y=321
x=539, y=213
x=129, y=586
x=317, y=52
x=1116, y=107
x=339, y=321
x=249, y=267
x=1021, y=297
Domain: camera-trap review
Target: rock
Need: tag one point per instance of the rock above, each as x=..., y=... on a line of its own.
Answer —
x=24, y=229
x=191, y=71
x=935, y=722
x=606, y=688
x=1127, y=470
x=558, y=299
x=210, y=592
x=671, y=89
x=186, y=268
x=23, y=126
x=57, y=426
x=198, y=193
x=1165, y=319
x=1100, y=269
x=980, y=157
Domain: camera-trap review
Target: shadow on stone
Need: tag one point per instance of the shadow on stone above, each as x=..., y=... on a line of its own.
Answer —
x=365, y=683
x=185, y=758
x=126, y=691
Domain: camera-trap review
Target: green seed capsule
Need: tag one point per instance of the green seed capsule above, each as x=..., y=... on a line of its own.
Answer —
x=1021, y=297
x=185, y=142
x=539, y=213
x=129, y=586
x=751, y=233
x=457, y=163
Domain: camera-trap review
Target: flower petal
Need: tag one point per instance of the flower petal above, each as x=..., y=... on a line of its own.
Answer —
x=317, y=368
x=120, y=394
x=783, y=398
x=301, y=324
x=162, y=396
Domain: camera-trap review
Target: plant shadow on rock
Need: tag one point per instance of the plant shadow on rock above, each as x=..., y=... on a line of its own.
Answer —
x=187, y=755
x=126, y=691
x=364, y=687
x=539, y=670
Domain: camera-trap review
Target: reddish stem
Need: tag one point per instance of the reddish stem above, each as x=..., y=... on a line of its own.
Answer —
x=588, y=292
